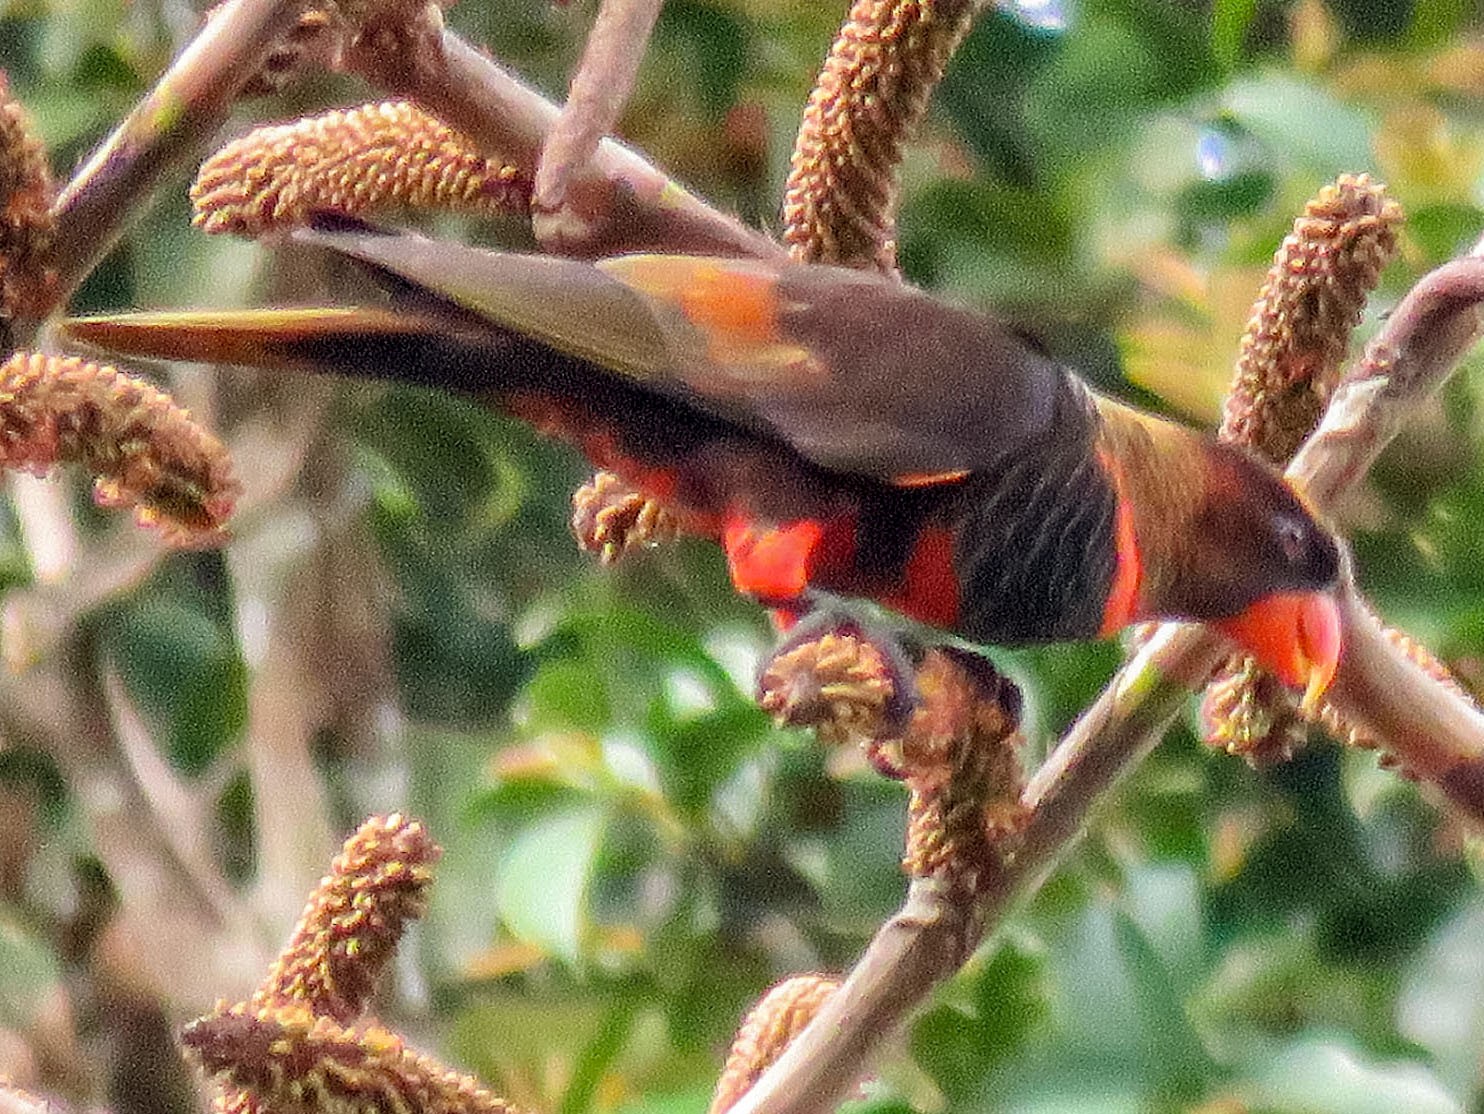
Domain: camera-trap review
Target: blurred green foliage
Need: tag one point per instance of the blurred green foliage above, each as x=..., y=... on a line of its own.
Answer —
x=634, y=854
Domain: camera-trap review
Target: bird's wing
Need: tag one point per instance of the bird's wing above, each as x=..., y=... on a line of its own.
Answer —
x=858, y=372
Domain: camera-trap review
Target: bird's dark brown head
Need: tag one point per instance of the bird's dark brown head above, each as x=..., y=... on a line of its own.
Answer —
x=1253, y=560
x=1248, y=536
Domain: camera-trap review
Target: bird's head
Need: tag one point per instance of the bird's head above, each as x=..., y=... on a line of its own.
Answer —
x=1251, y=559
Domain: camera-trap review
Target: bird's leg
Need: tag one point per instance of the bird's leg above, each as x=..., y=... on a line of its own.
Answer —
x=772, y=564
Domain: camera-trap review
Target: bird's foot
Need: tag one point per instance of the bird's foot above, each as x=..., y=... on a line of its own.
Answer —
x=842, y=669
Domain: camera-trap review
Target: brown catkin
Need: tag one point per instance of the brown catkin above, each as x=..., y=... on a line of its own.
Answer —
x=1288, y=365
x=611, y=519
x=1312, y=300
x=351, y=162
x=354, y=919
x=960, y=758
x=779, y=1016
x=1247, y=712
x=345, y=936
x=143, y=450
x=837, y=684
x=291, y=1059
x=841, y=199
x=26, y=224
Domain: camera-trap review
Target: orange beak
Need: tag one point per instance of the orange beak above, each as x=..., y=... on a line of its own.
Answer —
x=1294, y=635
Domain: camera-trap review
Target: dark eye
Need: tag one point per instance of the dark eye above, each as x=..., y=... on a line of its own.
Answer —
x=1292, y=538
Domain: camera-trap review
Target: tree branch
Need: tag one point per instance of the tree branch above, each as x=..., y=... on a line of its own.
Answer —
x=166, y=130
x=469, y=91
x=571, y=200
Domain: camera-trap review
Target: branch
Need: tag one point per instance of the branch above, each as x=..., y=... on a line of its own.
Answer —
x=1434, y=732
x=1437, y=735
x=289, y=804
x=180, y=814
x=165, y=132
x=571, y=201
x=170, y=931
x=1424, y=338
x=648, y=210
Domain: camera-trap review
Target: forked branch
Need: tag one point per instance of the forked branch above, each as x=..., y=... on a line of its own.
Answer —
x=647, y=210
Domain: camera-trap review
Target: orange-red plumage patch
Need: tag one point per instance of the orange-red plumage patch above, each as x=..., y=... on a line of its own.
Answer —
x=552, y=417
x=741, y=304
x=929, y=479
x=771, y=563
x=1122, y=603
x=929, y=591
x=735, y=306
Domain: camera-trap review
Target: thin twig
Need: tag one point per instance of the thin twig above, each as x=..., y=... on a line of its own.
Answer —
x=469, y=91
x=176, y=938
x=44, y=511
x=166, y=131
x=1423, y=340
x=182, y=816
x=289, y=806
x=570, y=202
x=1433, y=731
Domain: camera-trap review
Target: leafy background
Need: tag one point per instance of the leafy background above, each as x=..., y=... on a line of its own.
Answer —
x=634, y=854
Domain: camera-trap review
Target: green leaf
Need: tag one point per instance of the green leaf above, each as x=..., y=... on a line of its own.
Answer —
x=506, y=1032
x=1110, y=75
x=35, y=772
x=1304, y=123
x=676, y=1102
x=1177, y=1064
x=1441, y=1004
x=596, y=1058
x=695, y=755
x=717, y=54
x=441, y=448
x=568, y=694
x=1324, y=1077
x=543, y=881
x=1229, y=22
x=236, y=819
x=1444, y=230
x=885, y=1104
x=454, y=664
x=1434, y=20
x=32, y=977
x=184, y=670
x=962, y=1044
x=983, y=93
x=1219, y=201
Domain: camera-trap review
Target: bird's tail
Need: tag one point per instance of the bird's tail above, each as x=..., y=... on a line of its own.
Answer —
x=351, y=340
x=680, y=453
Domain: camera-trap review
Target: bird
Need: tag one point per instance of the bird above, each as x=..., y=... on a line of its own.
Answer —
x=840, y=433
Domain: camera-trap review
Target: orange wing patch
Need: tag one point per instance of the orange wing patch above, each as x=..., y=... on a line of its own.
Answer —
x=726, y=296
x=739, y=305
x=733, y=304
